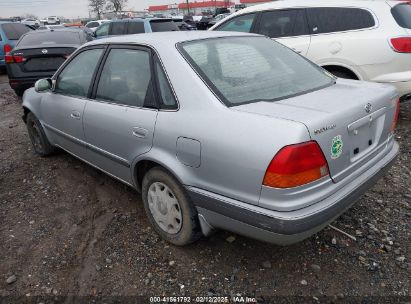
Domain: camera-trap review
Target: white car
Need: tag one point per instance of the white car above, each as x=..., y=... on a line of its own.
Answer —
x=32, y=22
x=356, y=39
x=52, y=20
x=93, y=25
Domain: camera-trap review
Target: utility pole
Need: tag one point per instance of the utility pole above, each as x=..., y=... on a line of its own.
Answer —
x=188, y=7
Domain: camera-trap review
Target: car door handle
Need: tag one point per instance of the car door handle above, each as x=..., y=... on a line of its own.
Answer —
x=75, y=115
x=139, y=132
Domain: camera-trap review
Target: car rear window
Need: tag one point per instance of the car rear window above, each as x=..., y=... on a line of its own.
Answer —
x=163, y=25
x=402, y=15
x=14, y=31
x=47, y=38
x=338, y=19
x=251, y=69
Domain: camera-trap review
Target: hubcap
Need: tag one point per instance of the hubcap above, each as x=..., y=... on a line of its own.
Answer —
x=164, y=208
x=35, y=136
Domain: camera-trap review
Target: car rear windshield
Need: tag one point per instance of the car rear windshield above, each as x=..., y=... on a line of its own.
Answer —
x=163, y=25
x=14, y=31
x=47, y=38
x=252, y=69
x=402, y=15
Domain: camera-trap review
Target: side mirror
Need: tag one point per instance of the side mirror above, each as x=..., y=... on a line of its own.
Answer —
x=42, y=85
x=94, y=35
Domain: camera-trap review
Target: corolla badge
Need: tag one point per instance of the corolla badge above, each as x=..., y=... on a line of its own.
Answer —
x=325, y=128
x=44, y=51
x=336, y=147
x=368, y=107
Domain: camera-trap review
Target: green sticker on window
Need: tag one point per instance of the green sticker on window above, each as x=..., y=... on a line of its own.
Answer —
x=336, y=147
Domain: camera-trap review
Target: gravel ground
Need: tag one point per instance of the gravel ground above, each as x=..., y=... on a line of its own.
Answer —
x=67, y=229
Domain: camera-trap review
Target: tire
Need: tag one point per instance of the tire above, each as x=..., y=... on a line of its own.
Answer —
x=38, y=138
x=179, y=233
x=19, y=92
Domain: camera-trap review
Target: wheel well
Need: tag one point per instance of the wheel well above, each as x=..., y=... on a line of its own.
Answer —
x=142, y=168
x=341, y=69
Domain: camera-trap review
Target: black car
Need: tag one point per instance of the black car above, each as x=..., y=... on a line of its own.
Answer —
x=38, y=54
x=183, y=25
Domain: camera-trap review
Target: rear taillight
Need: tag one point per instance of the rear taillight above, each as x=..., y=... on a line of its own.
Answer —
x=296, y=165
x=18, y=59
x=7, y=57
x=397, y=112
x=401, y=44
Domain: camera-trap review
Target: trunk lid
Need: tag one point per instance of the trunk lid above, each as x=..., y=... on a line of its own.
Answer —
x=43, y=59
x=350, y=120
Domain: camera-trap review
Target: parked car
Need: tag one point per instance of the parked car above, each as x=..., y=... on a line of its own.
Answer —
x=184, y=26
x=39, y=54
x=10, y=32
x=203, y=24
x=216, y=19
x=93, y=25
x=205, y=149
x=135, y=26
x=32, y=22
x=51, y=27
x=365, y=40
x=52, y=20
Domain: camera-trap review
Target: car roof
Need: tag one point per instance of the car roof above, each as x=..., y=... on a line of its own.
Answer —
x=317, y=3
x=166, y=38
x=68, y=29
x=139, y=19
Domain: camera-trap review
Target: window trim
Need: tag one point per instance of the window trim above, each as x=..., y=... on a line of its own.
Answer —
x=54, y=78
x=260, y=13
x=253, y=25
x=100, y=71
x=376, y=21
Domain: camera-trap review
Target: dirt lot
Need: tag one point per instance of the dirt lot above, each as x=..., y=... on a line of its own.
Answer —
x=67, y=229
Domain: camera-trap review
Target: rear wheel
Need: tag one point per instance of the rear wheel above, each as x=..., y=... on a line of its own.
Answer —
x=168, y=208
x=37, y=136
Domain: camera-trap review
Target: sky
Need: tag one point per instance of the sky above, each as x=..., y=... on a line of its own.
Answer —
x=66, y=8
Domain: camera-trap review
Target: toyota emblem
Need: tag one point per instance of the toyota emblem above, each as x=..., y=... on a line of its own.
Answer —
x=44, y=51
x=368, y=107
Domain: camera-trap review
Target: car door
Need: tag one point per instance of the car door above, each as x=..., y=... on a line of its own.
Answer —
x=119, y=122
x=62, y=109
x=289, y=27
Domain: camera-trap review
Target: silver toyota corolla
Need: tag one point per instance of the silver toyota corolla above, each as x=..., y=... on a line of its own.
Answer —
x=218, y=130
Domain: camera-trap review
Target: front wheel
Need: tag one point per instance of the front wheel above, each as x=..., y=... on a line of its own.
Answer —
x=41, y=144
x=168, y=208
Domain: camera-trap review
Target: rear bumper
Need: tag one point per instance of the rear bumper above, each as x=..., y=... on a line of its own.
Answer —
x=284, y=228
x=401, y=80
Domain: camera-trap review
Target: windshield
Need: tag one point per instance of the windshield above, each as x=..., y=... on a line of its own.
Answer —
x=47, y=38
x=251, y=69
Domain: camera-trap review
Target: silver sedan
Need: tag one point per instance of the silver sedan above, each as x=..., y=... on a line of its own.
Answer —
x=218, y=131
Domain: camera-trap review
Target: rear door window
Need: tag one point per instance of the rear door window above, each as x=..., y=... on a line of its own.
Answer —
x=241, y=23
x=283, y=23
x=118, y=28
x=163, y=26
x=14, y=31
x=338, y=19
x=136, y=27
x=402, y=15
x=92, y=24
x=126, y=78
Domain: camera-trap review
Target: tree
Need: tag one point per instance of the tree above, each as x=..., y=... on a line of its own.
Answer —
x=97, y=6
x=116, y=5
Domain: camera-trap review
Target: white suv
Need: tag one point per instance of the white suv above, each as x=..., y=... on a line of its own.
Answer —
x=357, y=39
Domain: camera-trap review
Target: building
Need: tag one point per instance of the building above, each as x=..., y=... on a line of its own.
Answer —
x=254, y=2
x=196, y=7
